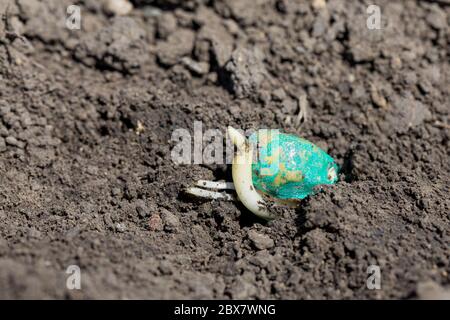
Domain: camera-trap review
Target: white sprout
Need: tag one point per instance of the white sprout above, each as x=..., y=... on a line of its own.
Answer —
x=242, y=176
x=215, y=184
x=213, y=195
x=302, y=109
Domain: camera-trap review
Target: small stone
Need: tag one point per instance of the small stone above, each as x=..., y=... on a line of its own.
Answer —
x=118, y=7
x=262, y=259
x=26, y=121
x=34, y=233
x=120, y=227
x=242, y=289
x=432, y=74
x=282, y=6
x=289, y=106
x=212, y=77
x=151, y=12
x=178, y=44
x=430, y=290
x=377, y=98
x=14, y=142
x=437, y=19
x=166, y=24
x=72, y=233
x=425, y=86
x=116, y=191
x=171, y=221
x=396, y=62
x=260, y=241
x=166, y=268
x=92, y=170
x=120, y=45
x=231, y=26
x=16, y=25
x=319, y=27
x=199, y=68
x=141, y=208
x=319, y=4
x=155, y=223
x=2, y=144
x=3, y=131
x=278, y=94
x=408, y=113
x=247, y=71
x=410, y=78
x=213, y=38
x=264, y=97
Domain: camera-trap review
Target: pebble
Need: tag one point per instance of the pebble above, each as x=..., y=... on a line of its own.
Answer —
x=120, y=227
x=171, y=221
x=377, y=98
x=222, y=42
x=247, y=71
x=319, y=4
x=179, y=44
x=155, y=223
x=425, y=86
x=141, y=208
x=199, y=68
x=151, y=12
x=118, y=7
x=278, y=94
x=289, y=106
x=166, y=24
x=262, y=259
x=34, y=233
x=242, y=289
x=430, y=290
x=72, y=233
x=3, y=131
x=116, y=191
x=14, y=142
x=260, y=241
x=437, y=19
x=166, y=268
x=2, y=144
x=408, y=113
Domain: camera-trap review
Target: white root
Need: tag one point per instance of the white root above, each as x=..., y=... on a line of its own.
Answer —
x=242, y=176
x=220, y=185
x=213, y=195
x=303, y=110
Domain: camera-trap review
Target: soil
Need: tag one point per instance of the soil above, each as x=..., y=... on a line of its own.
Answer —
x=86, y=176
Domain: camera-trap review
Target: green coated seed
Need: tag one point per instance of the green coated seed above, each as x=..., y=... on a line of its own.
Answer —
x=289, y=167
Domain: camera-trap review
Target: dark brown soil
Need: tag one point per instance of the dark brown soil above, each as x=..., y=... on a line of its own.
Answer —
x=86, y=176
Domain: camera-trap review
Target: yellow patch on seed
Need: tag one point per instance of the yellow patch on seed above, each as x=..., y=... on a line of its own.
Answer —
x=283, y=176
x=294, y=176
x=280, y=179
x=264, y=138
x=274, y=158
